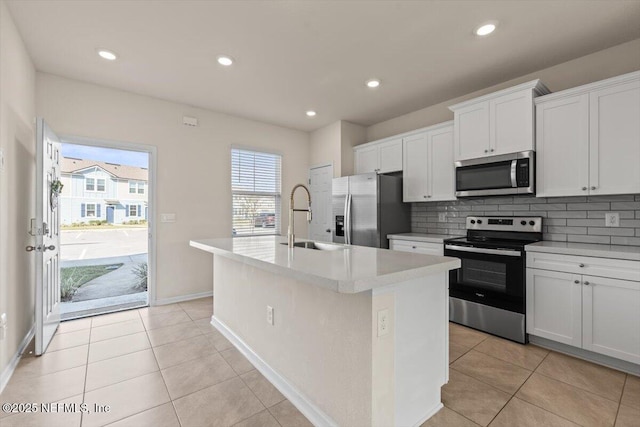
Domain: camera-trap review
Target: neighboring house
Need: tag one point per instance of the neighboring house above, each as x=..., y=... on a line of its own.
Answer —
x=96, y=190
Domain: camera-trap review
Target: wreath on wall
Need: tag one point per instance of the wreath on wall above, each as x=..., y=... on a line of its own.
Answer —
x=55, y=190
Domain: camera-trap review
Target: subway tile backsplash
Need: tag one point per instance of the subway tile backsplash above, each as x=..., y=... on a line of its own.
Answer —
x=566, y=219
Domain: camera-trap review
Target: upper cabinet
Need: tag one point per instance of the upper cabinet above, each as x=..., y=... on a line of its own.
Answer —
x=428, y=173
x=588, y=139
x=380, y=156
x=498, y=123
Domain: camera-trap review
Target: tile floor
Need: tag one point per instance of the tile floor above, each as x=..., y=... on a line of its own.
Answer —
x=167, y=366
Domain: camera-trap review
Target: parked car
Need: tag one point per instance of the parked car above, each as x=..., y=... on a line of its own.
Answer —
x=265, y=219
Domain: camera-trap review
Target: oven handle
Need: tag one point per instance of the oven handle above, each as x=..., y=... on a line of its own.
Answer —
x=514, y=181
x=507, y=252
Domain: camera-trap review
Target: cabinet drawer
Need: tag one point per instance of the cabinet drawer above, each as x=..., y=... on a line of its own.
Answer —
x=601, y=267
x=416, y=247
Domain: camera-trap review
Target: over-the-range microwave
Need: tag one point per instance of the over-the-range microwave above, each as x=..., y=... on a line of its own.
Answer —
x=496, y=175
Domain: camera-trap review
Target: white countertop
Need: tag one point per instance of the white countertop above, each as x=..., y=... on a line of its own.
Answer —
x=421, y=237
x=586, y=249
x=352, y=270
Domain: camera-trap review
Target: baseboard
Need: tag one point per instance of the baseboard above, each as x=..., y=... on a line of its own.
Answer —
x=13, y=363
x=297, y=398
x=600, y=359
x=429, y=414
x=181, y=298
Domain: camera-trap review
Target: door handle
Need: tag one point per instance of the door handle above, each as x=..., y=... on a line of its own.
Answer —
x=328, y=230
x=31, y=248
x=48, y=248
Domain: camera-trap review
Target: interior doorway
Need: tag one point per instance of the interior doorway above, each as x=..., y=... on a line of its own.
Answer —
x=320, y=182
x=106, y=255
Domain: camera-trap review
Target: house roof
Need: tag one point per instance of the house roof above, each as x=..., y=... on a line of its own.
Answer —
x=71, y=165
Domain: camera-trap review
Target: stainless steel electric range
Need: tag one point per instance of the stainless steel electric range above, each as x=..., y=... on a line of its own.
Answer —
x=488, y=291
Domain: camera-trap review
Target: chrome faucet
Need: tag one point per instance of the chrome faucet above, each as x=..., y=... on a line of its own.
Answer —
x=291, y=238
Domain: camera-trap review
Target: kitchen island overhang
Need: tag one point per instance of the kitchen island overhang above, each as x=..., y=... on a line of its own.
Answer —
x=325, y=350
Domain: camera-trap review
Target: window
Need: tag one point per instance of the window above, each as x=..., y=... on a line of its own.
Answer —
x=91, y=209
x=136, y=187
x=133, y=210
x=101, y=185
x=255, y=188
x=90, y=184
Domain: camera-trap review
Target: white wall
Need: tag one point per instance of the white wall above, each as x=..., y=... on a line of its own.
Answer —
x=17, y=185
x=193, y=164
x=611, y=62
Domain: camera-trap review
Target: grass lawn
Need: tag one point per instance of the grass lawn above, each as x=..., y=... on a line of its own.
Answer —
x=74, y=277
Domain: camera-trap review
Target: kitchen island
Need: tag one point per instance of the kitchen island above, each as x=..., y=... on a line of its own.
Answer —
x=357, y=336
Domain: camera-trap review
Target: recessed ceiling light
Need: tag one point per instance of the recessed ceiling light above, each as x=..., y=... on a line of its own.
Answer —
x=311, y=113
x=373, y=83
x=225, y=60
x=107, y=54
x=486, y=29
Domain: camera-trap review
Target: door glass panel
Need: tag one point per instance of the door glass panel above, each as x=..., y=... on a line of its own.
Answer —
x=484, y=274
x=481, y=177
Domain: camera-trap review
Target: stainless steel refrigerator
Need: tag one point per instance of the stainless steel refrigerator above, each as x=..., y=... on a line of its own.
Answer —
x=368, y=207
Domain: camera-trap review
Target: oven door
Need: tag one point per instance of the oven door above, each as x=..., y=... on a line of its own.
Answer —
x=494, y=277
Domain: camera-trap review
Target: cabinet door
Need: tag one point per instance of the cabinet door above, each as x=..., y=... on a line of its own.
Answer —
x=554, y=306
x=511, y=123
x=615, y=139
x=611, y=317
x=441, y=168
x=415, y=173
x=367, y=159
x=562, y=133
x=471, y=131
x=390, y=156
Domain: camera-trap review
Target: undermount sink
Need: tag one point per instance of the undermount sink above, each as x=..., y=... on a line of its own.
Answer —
x=319, y=246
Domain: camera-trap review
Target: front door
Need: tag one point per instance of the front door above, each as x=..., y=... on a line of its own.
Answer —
x=320, y=179
x=110, y=209
x=47, y=232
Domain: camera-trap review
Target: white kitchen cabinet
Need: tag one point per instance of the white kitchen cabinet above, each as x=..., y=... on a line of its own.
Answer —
x=428, y=169
x=497, y=123
x=592, y=312
x=380, y=156
x=588, y=139
x=416, y=247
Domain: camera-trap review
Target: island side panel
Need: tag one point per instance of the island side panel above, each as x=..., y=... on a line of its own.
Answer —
x=320, y=342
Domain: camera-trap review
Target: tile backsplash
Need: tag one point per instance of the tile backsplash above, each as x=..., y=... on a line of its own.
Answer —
x=566, y=219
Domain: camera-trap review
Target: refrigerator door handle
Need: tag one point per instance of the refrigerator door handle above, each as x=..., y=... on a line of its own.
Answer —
x=347, y=220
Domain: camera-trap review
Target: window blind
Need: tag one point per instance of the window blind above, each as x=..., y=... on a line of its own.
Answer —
x=255, y=188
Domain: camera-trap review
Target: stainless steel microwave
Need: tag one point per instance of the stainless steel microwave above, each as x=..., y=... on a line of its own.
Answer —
x=496, y=175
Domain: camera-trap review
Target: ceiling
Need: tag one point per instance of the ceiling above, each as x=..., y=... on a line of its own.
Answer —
x=292, y=56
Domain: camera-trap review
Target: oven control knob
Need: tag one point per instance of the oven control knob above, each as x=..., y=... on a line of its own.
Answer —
x=479, y=221
x=473, y=221
x=523, y=222
x=532, y=223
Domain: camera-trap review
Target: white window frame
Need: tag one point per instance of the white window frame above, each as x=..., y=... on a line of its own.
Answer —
x=135, y=208
x=86, y=210
x=137, y=187
x=86, y=184
x=104, y=185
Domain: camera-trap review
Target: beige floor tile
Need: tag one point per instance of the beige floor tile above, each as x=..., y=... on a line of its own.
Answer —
x=159, y=309
x=205, y=325
x=61, y=418
x=74, y=325
x=456, y=351
x=196, y=374
x=448, y=418
x=527, y=356
x=522, y=414
x=45, y=388
x=69, y=339
x=474, y=399
x=567, y=401
x=288, y=415
x=262, y=388
x=163, y=320
x=588, y=376
x=223, y=404
x=173, y=333
x=238, y=362
x=219, y=341
x=52, y=361
x=182, y=351
x=114, y=347
x=498, y=373
x=206, y=301
x=628, y=417
x=631, y=394
x=261, y=419
x=465, y=337
x=115, y=330
x=160, y=416
x=121, y=368
x=196, y=313
x=125, y=398
x=109, y=319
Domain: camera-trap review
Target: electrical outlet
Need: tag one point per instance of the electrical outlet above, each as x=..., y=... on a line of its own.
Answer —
x=612, y=219
x=3, y=326
x=383, y=322
x=442, y=217
x=270, y=315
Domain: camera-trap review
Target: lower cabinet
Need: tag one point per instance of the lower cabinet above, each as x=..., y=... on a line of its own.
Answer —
x=599, y=314
x=417, y=247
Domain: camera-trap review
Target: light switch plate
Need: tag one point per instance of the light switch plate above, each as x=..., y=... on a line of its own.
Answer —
x=168, y=217
x=442, y=217
x=612, y=219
